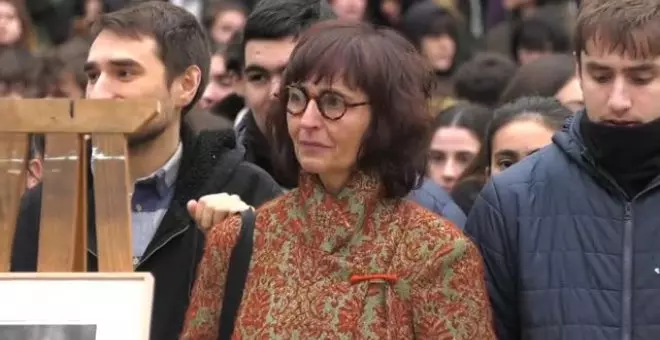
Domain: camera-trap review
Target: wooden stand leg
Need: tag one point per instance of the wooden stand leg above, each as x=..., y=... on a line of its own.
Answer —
x=13, y=154
x=112, y=194
x=60, y=205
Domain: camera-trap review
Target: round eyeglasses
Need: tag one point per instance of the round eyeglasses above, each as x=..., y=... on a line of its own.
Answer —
x=332, y=105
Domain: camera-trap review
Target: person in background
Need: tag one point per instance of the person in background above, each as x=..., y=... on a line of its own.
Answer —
x=517, y=130
x=221, y=87
x=16, y=29
x=224, y=19
x=499, y=37
x=350, y=9
x=440, y=37
x=63, y=72
x=222, y=82
x=549, y=76
x=19, y=74
x=387, y=12
x=535, y=36
x=157, y=50
x=270, y=34
x=569, y=235
x=482, y=79
x=458, y=133
x=344, y=255
x=233, y=105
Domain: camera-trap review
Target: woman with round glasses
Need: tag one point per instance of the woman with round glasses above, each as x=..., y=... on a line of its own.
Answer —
x=345, y=255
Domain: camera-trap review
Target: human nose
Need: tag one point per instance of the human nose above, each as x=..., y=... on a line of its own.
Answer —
x=275, y=86
x=311, y=117
x=101, y=88
x=450, y=171
x=619, y=99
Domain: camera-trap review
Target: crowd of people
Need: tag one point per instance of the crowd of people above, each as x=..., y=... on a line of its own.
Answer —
x=377, y=169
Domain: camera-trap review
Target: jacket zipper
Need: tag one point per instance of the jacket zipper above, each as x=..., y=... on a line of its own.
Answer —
x=626, y=311
x=161, y=245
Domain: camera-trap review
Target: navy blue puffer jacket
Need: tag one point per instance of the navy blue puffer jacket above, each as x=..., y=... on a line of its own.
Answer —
x=568, y=255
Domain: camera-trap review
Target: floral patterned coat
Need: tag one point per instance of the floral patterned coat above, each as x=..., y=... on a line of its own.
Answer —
x=346, y=266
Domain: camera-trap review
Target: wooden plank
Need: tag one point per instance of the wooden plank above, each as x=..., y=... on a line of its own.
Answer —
x=60, y=205
x=79, y=116
x=13, y=158
x=112, y=194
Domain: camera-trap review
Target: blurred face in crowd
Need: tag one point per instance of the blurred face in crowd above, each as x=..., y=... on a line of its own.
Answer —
x=10, y=24
x=513, y=4
x=350, y=9
x=12, y=90
x=439, y=50
x=265, y=61
x=570, y=95
x=452, y=149
x=327, y=145
x=619, y=88
x=391, y=9
x=121, y=67
x=517, y=140
x=226, y=24
x=526, y=56
x=221, y=83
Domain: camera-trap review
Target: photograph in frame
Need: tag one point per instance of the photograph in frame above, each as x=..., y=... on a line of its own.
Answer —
x=75, y=306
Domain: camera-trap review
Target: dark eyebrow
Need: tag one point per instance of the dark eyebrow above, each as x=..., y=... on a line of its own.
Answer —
x=646, y=67
x=92, y=65
x=257, y=68
x=596, y=66
x=506, y=153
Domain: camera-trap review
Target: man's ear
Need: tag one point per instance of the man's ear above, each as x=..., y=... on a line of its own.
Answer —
x=184, y=87
x=35, y=171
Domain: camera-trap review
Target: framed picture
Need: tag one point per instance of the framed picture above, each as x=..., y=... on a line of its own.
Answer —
x=75, y=306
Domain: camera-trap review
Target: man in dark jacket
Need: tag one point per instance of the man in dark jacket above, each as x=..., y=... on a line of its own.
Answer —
x=569, y=235
x=157, y=50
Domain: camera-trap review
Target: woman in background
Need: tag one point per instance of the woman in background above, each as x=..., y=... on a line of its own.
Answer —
x=16, y=29
x=345, y=255
x=457, y=135
x=517, y=130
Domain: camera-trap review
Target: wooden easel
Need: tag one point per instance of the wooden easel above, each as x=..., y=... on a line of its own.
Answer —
x=67, y=124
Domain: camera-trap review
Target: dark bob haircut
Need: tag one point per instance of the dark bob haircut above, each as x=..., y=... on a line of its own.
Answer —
x=390, y=71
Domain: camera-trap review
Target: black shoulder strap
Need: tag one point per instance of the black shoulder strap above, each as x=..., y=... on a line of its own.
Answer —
x=239, y=264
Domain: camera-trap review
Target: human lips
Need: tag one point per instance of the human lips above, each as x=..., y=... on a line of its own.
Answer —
x=624, y=123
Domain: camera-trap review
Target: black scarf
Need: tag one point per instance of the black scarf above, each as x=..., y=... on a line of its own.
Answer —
x=630, y=154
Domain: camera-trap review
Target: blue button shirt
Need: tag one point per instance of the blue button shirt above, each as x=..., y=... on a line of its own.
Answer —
x=151, y=199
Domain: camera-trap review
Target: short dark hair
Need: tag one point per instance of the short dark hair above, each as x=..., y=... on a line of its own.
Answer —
x=542, y=77
x=279, y=19
x=470, y=116
x=427, y=19
x=388, y=69
x=180, y=38
x=630, y=27
x=482, y=79
x=541, y=35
